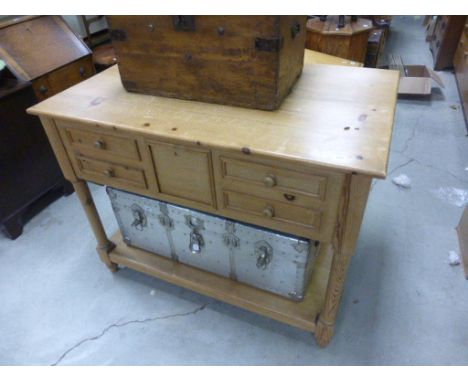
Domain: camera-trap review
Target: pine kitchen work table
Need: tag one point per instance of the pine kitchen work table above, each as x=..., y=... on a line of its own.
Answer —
x=304, y=169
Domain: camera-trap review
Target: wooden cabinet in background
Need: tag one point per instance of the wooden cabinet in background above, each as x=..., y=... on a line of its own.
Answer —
x=43, y=57
x=348, y=42
x=460, y=63
x=443, y=38
x=45, y=51
x=28, y=168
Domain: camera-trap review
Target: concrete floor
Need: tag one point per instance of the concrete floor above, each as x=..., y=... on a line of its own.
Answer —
x=403, y=303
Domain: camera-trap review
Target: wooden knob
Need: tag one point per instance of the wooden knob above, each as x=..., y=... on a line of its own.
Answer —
x=99, y=144
x=109, y=173
x=269, y=181
x=268, y=212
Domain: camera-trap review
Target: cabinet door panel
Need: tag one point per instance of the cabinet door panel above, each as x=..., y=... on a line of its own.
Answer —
x=184, y=172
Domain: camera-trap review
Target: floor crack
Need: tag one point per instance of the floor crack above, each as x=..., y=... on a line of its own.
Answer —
x=402, y=165
x=104, y=331
x=411, y=160
x=406, y=145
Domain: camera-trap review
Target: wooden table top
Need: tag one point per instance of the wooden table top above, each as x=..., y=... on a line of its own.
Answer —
x=336, y=116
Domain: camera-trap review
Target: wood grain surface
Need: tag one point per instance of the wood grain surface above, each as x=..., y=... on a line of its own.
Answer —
x=336, y=117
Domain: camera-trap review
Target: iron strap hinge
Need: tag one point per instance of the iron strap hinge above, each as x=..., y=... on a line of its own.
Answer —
x=118, y=35
x=269, y=44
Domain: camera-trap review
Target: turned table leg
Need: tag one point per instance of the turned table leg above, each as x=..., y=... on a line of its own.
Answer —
x=104, y=244
x=353, y=204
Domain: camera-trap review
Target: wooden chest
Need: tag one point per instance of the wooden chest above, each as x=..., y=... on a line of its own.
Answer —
x=45, y=51
x=249, y=61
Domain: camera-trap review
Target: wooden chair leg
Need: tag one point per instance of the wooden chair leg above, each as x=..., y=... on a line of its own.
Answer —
x=105, y=246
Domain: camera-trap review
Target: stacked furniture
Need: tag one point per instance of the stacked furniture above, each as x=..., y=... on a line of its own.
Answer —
x=303, y=170
x=443, y=33
x=43, y=57
x=460, y=63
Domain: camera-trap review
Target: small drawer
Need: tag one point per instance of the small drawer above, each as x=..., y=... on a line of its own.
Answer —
x=71, y=74
x=272, y=211
x=281, y=184
x=93, y=143
x=110, y=173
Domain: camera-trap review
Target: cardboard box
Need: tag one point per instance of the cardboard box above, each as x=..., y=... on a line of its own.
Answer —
x=418, y=80
x=462, y=231
x=414, y=79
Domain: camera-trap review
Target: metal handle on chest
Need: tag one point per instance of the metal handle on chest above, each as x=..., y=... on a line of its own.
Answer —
x=264, y=253
x=196, y=242
x=139, y=217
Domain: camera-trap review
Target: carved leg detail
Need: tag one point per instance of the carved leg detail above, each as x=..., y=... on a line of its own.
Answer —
x=324, y=333
x=105, y=246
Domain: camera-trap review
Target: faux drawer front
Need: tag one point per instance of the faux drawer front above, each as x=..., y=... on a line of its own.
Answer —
x=111, y=173
x=268, y=260
x=272, y=182
x=90, y=143
x=273, y=211
x=184, y=172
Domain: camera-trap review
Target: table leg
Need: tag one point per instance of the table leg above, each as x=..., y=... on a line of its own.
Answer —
x=105, y=246
x=350, y=217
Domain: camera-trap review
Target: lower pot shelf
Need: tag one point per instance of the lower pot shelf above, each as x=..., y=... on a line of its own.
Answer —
x=299, y=314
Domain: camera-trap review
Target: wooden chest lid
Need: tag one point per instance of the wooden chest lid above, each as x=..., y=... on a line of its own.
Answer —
x=34, y=46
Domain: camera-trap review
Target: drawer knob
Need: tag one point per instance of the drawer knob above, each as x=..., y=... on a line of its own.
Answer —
x=100, y=144
x=43, y=89
x=109, y=173
x=268, y=212
x=82, y=71
x=269, y=181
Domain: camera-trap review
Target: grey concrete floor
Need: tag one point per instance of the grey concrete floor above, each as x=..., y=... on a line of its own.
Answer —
x=403, y=303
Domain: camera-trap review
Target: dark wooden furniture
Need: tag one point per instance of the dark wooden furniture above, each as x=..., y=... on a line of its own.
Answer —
x=99, y=42
x=460, y=63
x=348, y=41
x=443, y=39
x=249, y=61
x=44, y=57
x=28, y=168
x=45, y=51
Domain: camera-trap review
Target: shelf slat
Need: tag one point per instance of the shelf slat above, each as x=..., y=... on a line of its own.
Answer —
x=299, y=314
